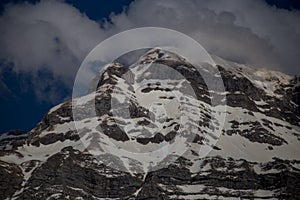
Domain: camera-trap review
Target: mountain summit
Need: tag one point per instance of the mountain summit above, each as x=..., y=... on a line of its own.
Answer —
x=156, y=134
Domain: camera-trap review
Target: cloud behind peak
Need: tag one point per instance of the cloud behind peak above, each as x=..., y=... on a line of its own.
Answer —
x=56, y=36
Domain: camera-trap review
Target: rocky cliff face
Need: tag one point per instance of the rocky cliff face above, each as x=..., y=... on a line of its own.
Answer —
x=256, y=155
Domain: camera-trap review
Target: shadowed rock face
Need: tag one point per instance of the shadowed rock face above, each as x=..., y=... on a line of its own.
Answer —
x=257, y=155
x=73, y=174
x=249, y=93
x=70, y=170
x=11, y=179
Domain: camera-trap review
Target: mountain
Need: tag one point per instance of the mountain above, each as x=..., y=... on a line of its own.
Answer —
x=145, y=132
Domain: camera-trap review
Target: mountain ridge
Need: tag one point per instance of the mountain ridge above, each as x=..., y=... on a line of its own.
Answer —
x=256, y=156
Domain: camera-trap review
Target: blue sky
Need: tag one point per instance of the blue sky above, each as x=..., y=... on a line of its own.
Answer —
x=31, y=84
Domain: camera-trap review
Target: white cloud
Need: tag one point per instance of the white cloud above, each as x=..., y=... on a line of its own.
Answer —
x=247, y=31
x=51, y=35
x=56, y=36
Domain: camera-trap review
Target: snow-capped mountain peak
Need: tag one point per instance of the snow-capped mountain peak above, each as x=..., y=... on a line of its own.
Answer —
x=153, y=128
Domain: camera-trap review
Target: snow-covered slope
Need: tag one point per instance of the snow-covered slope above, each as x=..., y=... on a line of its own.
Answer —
x=161, y=100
